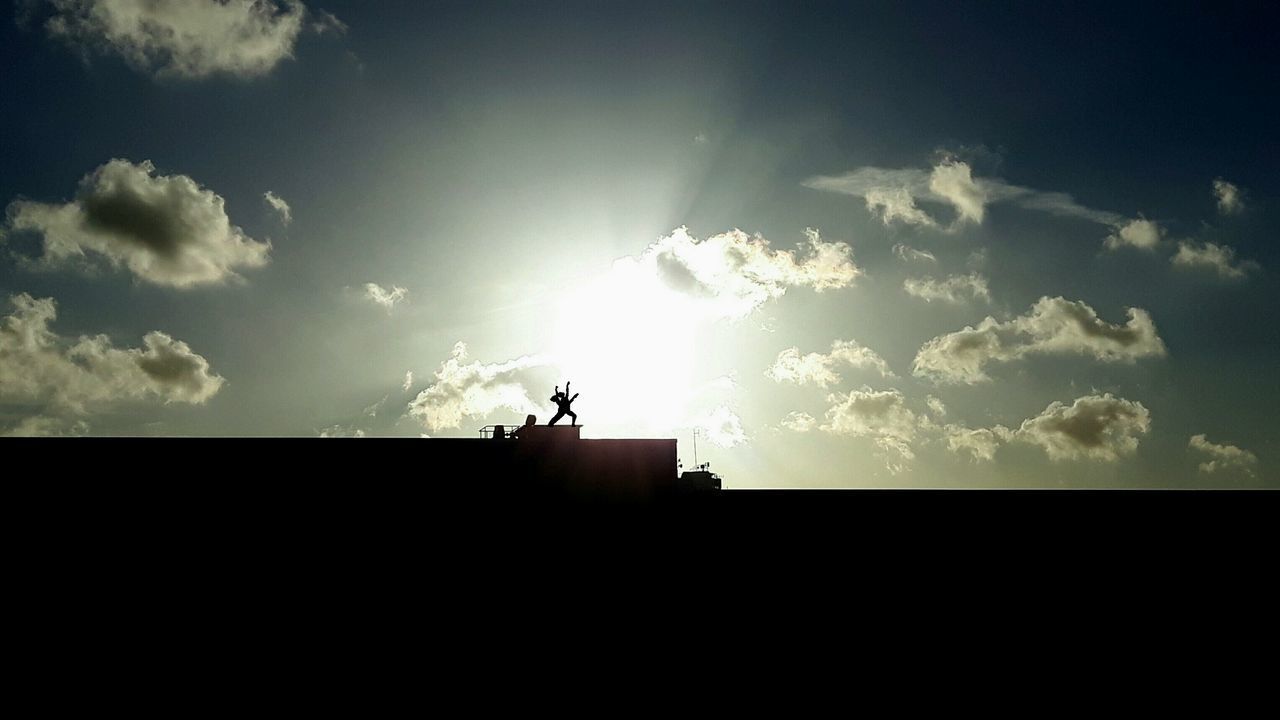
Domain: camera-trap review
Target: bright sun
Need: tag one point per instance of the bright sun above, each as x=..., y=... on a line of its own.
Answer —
x=626, y=341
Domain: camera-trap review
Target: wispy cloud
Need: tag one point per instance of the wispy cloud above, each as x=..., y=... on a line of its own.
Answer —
x=906, y=253
x=733, y=273
x=893, y=195
x=379, y=295
x=281, y=207
x=722, y=427
x=471, y=390
x=956, y=289
x=1221, y=259
x=821, y=368
x=1230, y=198
x=1224, y=458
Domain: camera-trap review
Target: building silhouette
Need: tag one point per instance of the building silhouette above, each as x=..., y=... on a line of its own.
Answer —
x=528, y=463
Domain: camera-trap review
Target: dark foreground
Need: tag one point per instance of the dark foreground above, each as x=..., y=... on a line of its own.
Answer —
x=373, y=529
x=400, y=483
x=249, y=562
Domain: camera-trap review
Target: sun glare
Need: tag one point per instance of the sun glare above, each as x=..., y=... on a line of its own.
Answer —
x=626, y=342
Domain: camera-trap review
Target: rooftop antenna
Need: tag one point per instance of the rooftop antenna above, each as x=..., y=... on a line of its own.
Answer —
x=695, y=447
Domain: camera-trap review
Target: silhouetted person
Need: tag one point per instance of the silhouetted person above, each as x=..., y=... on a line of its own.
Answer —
x=562, y=401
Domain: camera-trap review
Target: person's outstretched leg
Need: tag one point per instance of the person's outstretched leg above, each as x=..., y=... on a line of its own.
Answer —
x=574, y=416
x=556, y=419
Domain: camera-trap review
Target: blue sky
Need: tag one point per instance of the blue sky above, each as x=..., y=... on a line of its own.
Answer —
x=871, y=244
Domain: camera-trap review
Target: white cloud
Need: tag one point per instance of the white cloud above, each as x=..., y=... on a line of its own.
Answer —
x=40, y=369
x=1219, y=258
x=408, y=380
x=166, y=230
x=1094, y=427
x=384, y=297
x=820, y=369
x=980, y=443
x=1223, y=458
x=473, y=390
x=372, y=410
x=278, y=204
x=1142, y=234
x=1229, y=196
x=952, y=180
x=897, y=204
x=956, y=289
x=326, y=22
x=936, y=406
x=734, y=273
x=1054, y=326
x=722, y=427
x=906, y=253
x=188, y=39
x=894, y=193
x=977, y=259
x=881, y=415
x=340, y=431
x=42, y=426
x=799, y=422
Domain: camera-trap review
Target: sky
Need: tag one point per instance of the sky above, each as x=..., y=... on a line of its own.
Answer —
x=899, y=244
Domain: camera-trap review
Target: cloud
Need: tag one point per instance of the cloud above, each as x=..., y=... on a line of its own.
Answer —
x=1230, y=198
x=1094, y=427
x=278, y=204
x=1219, y=258
x=906, y=253
x=42, y=426
x=734, y=273
x=799, y=422
x=1055, y=326
x=722, y=427
x=895, y=193
x=881, y=415
x=326, y=22
x=372, y=410
x=1224, y=458
x=381, y=296
x=956, y=289
x=40, y=369
x=936, y=406
x=1142, y=234
x=953, y=181
x=408, y=380
x=167, y=230
x=340, y=431
x=473, y=390
x=979, y=443
x=820, y=369
x=188, y=39
x=897, y=204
